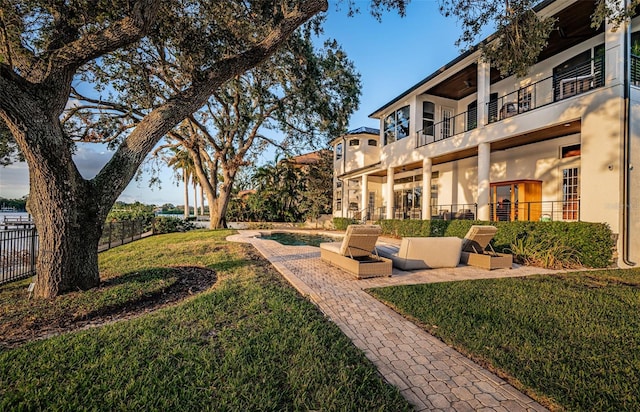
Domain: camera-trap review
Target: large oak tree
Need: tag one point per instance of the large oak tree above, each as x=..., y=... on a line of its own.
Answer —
x=46, y=45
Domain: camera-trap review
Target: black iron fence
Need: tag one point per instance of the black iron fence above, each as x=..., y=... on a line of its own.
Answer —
x=19, y=247
x=547, y=211
x=446, y=128
x=120, y=232
x=18, y=252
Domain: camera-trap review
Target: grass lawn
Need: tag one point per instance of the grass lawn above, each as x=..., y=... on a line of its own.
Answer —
x=572, y=341
x=249, y=342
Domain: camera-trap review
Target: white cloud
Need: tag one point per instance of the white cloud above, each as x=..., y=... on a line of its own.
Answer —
x=14, y=181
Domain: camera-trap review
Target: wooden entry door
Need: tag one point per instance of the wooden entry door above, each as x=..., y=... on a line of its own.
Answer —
x=516, y=200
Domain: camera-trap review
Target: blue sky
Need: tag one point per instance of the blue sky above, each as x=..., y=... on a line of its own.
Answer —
x=391, y=56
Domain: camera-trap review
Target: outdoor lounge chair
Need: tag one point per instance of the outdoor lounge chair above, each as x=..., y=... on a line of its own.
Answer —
x=424, y=252
x=477, y=249
x=357, y=252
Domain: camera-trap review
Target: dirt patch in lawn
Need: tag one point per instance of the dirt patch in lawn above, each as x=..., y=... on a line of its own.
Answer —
x=28, y=320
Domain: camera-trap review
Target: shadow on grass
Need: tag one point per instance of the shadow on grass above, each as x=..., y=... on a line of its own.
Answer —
x=123, y=297
x=189, y=280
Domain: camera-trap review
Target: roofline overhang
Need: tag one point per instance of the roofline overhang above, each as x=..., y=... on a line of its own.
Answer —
x=380, y=111
x=360, y=170
x=344, y=136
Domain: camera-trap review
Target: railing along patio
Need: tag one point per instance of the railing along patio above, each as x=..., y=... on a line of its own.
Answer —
x=567, y=211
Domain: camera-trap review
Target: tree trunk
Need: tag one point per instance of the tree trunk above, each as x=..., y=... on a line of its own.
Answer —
x=195, y=199
x=68, y=235
x=186, y=196
x=65, y=209
x=201, y=200
x=213, y=210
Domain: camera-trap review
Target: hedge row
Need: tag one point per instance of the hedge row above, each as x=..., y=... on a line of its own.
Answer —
x=591, y=243
x=341, y=223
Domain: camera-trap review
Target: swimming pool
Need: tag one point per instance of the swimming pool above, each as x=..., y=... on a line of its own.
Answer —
x=298, y=239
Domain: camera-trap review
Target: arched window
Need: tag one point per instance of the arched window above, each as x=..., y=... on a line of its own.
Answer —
x=372, y=142
x=354, y=142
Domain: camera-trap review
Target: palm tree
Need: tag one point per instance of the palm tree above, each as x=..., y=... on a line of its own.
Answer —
x=182, y=161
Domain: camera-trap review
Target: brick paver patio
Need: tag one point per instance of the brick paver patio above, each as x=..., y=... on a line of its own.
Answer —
x=430, y=374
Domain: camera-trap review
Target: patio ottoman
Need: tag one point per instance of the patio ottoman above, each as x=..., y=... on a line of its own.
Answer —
x=424, y=253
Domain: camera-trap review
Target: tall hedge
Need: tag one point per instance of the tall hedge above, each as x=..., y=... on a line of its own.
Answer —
x=592, y=243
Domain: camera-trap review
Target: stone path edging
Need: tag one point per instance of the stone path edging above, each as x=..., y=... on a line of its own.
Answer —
x=429, y=374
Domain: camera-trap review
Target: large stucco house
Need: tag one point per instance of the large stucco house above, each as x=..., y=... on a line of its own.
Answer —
x=562, y=143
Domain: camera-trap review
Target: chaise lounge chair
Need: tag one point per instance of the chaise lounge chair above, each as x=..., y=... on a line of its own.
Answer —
x=477, y=249
x=357, y=252
x=424, y=253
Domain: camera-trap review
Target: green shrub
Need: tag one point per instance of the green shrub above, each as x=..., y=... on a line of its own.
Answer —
x=260, y=226
x=547, y=244
x=533, y=252
x=341, y=223
x=171, y=225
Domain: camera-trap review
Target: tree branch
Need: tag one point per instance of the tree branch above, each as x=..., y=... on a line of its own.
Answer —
x=116, y=174
x=71, y=56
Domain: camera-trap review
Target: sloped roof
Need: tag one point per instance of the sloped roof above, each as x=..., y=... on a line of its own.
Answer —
x=307, y=158
x=554, y=38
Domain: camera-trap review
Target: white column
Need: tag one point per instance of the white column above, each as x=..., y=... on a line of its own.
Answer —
x=389, y=194
x=484, y=189
x=364, y=196
x=614, y=50
x=415, y=117
x=426, y=188
x=484, y=91
x=345, y=198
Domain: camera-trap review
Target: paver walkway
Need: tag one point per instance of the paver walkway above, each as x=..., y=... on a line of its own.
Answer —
x=430, y=374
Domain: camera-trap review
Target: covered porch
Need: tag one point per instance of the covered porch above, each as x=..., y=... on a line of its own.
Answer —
x=529, y=177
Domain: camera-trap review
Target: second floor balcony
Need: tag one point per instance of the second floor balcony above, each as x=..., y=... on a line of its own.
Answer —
x=564, y=83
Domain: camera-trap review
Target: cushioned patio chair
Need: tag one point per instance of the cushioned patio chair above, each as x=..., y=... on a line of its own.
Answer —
x=424, y=252
x=477, y=249
x=357, y=252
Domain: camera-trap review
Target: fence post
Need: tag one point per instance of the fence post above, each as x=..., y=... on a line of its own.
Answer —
x=110, y=235
x=34, y=235
x=122, y=233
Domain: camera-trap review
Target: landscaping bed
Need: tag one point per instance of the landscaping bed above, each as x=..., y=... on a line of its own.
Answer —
x=544, y=244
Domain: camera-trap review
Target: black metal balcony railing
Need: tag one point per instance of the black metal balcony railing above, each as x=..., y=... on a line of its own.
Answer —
x=402, y=213
x=568, y=83
x=452, y=126
x=635, y=70
x=568, y=211
x=571, y=82
x=464, y=211
x=547, y=211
